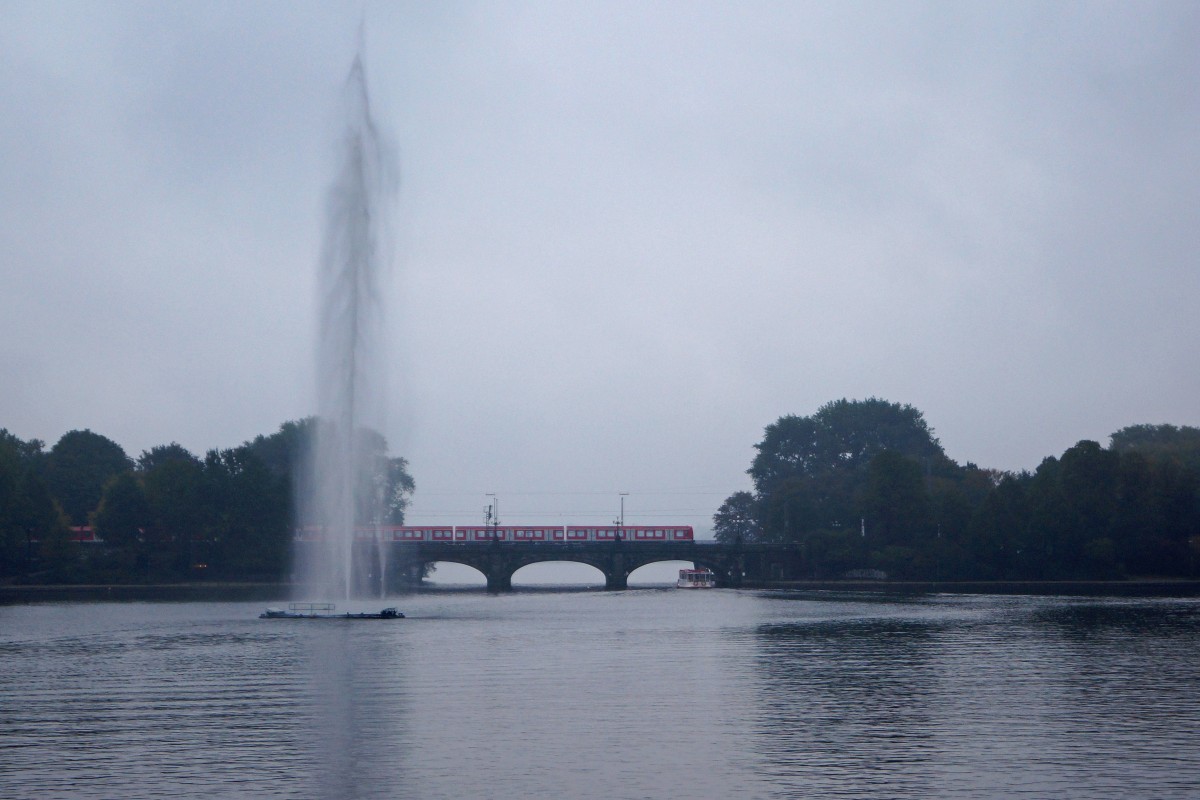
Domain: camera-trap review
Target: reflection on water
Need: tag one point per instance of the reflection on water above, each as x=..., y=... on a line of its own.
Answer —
x=985, y=697
x=360, y=711
x=846, y=705
x=606, y=695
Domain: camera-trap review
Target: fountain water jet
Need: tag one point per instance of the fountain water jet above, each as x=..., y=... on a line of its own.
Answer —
x=342, y=489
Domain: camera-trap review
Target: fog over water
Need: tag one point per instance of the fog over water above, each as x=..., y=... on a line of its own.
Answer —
x=629, y=236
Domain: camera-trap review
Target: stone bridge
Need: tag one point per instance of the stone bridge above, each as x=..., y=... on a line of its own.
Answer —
x=499, y=560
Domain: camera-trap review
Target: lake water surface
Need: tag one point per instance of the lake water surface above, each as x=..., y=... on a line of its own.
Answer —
x=640, y=694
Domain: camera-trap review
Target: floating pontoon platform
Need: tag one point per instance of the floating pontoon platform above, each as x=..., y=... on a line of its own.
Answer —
x=324, y=611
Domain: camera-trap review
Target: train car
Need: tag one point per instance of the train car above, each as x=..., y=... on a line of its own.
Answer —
x=386, y=533
x=312, y=533
x=419, y=533
x=482, y=533
x=658, y=533
x=85, y=534
x=536, y=533
x=592, y=533
x=629, y=533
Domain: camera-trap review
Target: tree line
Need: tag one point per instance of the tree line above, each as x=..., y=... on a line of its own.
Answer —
x=167, y=515
x=865, y=485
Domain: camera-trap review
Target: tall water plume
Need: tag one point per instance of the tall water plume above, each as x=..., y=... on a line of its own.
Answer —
x=342, y=488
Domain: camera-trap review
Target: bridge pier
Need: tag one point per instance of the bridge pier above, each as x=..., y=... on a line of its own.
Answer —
x=737, y=569
x=616, y=573
x=498, y=567
x=499, y=580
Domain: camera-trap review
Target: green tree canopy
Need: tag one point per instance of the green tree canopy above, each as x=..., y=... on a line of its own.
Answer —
x=251, y=528
x=171, y=515
x=387, y=488
x=27, y=453
x=285, y=452
x=123, y=514
x=1160, y=441
x=816, y=473
x=998, y=531
x=163, y=455
x=28, y=512
x=736, y=519
x=398, y=492
x=843, y=436
x=178, y=509
x=12, y=536
x=896, y=504
x=78, y=467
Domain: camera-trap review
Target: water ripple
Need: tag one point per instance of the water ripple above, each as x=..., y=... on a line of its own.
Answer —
x=591, y=695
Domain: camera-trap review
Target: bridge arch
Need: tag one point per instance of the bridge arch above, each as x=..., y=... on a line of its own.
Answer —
x=560, y=571
x=657, y=573
x=457, y=573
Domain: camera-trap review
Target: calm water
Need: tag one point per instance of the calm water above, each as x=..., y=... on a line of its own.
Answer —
x=639, y=694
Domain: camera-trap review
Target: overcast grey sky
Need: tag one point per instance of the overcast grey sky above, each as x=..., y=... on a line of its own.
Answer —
x=629, y=235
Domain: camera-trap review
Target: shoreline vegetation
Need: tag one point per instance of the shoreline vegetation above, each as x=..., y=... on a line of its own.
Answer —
x=865, y=486
x=277, y=592
x=83, y=512
x=858, y=490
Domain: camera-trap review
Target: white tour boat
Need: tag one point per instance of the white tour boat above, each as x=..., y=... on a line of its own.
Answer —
x=696, y=579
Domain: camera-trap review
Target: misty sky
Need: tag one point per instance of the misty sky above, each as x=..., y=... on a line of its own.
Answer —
x=628, y=235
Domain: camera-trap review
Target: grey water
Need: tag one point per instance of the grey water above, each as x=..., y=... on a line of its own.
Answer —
x=340, y=489
x=638, y=694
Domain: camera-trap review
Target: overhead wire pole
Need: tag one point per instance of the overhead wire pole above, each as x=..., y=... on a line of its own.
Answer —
x=493, y=516
x=620, y=521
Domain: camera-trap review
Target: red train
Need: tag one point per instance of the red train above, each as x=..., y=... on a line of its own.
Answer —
x=547, y=534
